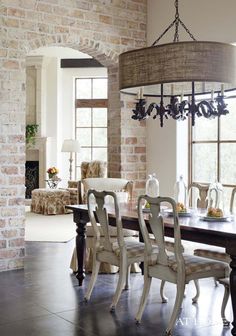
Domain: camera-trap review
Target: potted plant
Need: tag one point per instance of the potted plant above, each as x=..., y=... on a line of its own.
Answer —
x=30, y=133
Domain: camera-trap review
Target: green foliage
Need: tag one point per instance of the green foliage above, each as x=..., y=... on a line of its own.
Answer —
x=30, y=133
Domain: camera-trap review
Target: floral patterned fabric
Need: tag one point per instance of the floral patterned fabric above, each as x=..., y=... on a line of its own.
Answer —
x=94, y=168
x=73, y=195
x=50, y=201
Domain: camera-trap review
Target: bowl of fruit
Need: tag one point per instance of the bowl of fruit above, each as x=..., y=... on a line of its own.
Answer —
x=181, y=210
x=180, y=207
x=215, y=215
x=215, y=212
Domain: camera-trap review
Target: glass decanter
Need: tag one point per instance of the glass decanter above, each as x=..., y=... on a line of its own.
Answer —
x=180, y=193
x=152, y=186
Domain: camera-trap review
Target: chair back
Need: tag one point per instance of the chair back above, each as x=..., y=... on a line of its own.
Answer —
x=197, y=195
x=232, y=199
x=122, y=187
x=94, y=168
x=90, y=169
x=98, y=214
x=156, y=225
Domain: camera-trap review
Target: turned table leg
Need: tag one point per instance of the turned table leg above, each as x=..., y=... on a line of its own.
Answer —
x=80, y=249
x=231, y=250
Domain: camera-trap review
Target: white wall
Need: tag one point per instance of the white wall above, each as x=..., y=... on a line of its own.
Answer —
x=211, y=20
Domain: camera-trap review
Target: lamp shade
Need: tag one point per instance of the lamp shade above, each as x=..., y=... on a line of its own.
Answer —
x=71, y=146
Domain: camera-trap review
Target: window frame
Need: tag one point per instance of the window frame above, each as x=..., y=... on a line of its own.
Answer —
x=89, y=103
x=218, y=142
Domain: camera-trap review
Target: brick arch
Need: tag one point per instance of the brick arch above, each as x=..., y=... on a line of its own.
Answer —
x=109, y=59
x=99, y=50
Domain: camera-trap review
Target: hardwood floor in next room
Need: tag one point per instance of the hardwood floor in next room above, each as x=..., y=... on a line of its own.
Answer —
x=44, y=299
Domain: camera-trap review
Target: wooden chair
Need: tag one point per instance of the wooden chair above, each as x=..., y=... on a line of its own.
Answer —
x=217, y=253
x=197, y=195
x=120, y=252
x=225, y=283
x=176, y=267
x=123, y=189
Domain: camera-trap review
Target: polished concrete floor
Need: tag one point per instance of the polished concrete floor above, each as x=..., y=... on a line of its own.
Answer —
x=45, y=300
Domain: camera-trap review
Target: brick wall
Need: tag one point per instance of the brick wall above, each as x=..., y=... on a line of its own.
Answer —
x=100, y=28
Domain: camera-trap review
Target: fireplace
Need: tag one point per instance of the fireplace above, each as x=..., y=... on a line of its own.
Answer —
x=31, y=177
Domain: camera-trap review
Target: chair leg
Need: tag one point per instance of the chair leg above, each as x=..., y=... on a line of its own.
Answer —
x=96, y=266
x=127, y=282
x=226, y=323
x=195, y=298
x=216, y=282
x=143, y=301
x=164, y=299
x=120, y=284
x=177, y=306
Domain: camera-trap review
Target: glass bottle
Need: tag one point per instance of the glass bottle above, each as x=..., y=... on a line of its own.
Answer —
x=215, y=196
x=152, y=186
x=180, y=192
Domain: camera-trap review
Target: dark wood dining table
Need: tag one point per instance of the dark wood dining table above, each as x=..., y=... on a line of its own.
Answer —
x=193, y=229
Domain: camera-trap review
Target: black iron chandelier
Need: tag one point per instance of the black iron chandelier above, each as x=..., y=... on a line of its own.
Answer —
x=181, y=72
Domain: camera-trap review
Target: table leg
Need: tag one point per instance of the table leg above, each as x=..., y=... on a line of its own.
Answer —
x=233, y=291
x=80, y=249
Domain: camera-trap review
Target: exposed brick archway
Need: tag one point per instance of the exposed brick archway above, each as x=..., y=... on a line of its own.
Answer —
x=109, y=59
x=101, y=31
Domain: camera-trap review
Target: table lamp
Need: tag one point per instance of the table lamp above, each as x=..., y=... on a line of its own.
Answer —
x=70, y=146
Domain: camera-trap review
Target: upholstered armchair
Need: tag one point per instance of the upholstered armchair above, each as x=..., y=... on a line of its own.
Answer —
x=94, y=168
x=91, y=169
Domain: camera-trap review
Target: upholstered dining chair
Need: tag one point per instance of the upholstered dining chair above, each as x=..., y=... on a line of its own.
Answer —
x=197, y=195
x=225, y=283
x=177, y=268
x=123, y=189
x=197, y=198
x=217, y=253
x=121, y=251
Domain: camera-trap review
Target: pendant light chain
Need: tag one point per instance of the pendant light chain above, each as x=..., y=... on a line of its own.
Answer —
x=176, y=22
x=176, y=36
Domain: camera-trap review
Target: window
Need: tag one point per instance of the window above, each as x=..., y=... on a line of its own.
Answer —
x=213, y=149
x=91, y=119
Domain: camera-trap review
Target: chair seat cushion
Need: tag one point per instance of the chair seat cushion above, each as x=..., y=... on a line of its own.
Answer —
x=112, y=230
x=134, y=248
x=194, y=264
x=212, y=254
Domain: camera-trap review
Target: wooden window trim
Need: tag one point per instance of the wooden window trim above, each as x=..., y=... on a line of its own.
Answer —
x=91, y=103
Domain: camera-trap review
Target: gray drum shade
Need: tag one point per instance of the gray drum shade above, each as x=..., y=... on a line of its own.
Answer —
x=198, y=61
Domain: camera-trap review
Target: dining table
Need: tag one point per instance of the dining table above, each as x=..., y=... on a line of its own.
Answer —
x=195, y=228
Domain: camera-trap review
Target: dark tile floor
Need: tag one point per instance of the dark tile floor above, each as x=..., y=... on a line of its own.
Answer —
x=45, y=300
